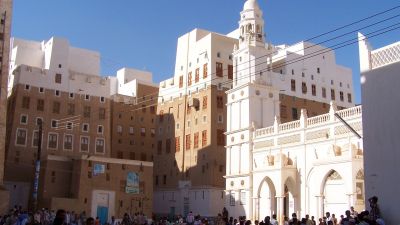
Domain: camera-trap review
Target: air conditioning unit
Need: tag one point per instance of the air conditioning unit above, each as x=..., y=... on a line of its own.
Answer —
x=194, y=102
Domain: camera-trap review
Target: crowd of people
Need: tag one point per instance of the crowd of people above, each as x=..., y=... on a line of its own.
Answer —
x=17, y=216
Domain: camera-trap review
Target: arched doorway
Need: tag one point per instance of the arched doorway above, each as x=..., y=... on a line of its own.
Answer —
x=266, y=199
x=290, y=193
x=334, y=190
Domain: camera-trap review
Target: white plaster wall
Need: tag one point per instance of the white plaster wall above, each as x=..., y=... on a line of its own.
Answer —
x=381, y=142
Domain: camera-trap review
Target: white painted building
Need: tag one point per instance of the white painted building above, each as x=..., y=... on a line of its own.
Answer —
x=79, y=69
x=309, y=166
x=380, y=81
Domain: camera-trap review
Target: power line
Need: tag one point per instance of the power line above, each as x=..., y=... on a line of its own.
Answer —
x=282, y=64
x=317, y=36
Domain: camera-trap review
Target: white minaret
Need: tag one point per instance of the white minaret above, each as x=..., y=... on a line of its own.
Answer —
x=252, y=103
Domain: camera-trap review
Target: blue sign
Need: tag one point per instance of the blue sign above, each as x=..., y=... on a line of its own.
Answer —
x=98, y=169
x=132, y=183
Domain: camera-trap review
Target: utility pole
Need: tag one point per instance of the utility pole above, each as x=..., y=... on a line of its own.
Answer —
x=37, y=167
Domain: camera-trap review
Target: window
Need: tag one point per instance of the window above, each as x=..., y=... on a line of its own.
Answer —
x=132, y=156
x=35, y=138
x=205, y=71
x=69, y=126
x=220, y=137
x=204, y=138
x=283, y=111
x=197, y=75
x=243, y=197
x=168, y=146
x=102, y=113
x=58, y=78
x=54, y=124
x=196, y=140
x=294, y=114
x=87, y=97
x=41, y=90
x=220, y=70
x=220, y=102
x=156, y=180
x=349, y=98
x=143, y=132
x=131, y=130
x=204, y=102
x=165, y=179
x=188, y=142
x=318, y=70
x=204, y=119
x=314, y=90
x=71, y=95
x=21, y=137
x=86, y=111
x=57, y=93
x=304, y=87
x=85, y=127
x=39, y=121
x=56, y=107
x=333, y=97
x=100, y=129
x=53, y=141
x=324, y=92
x=152, y=132
x=190, y=78
x=102, y=99
x=292, y=71
x=153, y=110
x=40, y=105
x=68, y=140
x=232, y=199
x=220, y=119
x=177, y=144
x=188, y=109
x=27, y=87
x=180, y=81
x=84, y=144
x=23, y=119
x=71, y=109
x=100, y=145
x=119, y=129
x=161, y=116
x=341, y=96
x=159, y=147
x=293, y=85
x=230, y=72
x=25, y=102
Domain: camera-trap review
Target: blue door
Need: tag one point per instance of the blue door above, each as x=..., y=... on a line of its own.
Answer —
x=102, y=213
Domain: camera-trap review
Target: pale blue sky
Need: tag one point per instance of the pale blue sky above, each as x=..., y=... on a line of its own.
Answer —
x=143, y=33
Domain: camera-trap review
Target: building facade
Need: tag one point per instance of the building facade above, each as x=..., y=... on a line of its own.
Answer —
x=379, y=82
x=84, y=116
x=195, y=113
x=309, y=166
x=274, y=173
x=5, y=31
x=190, y=154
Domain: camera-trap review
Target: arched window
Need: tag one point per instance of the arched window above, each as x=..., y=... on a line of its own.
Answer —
x=258, y=29
x=249, y=27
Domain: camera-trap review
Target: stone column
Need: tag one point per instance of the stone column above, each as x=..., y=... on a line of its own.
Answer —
x=320, y=206
x=280, y=209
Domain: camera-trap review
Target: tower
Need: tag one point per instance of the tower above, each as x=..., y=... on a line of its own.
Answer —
x=251, y=103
